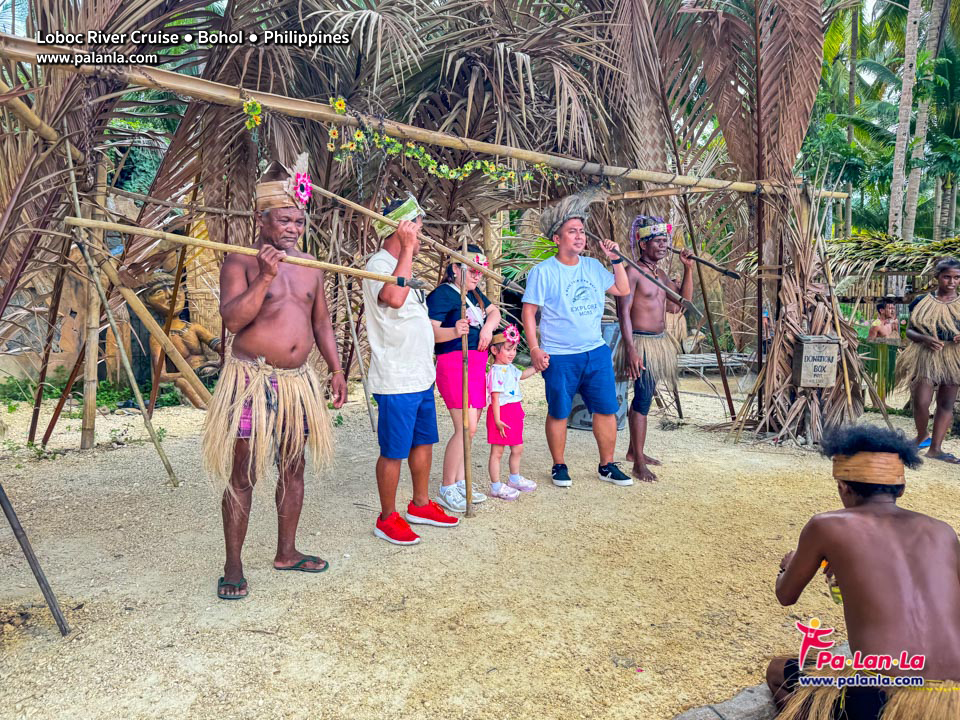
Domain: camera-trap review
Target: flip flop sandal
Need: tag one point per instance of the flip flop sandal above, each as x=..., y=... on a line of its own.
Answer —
x=925, y=444
x=947, y=458
x=221, y=585
x=308, y=559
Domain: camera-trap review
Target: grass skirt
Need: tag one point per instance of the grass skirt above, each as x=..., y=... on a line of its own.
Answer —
x=659, y=354
x=917, y=362
x=278, y=419
x=937, y=700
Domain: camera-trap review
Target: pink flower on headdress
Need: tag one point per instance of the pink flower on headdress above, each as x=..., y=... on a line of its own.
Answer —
x=511, y=334
x=481, y=259
x=302, y=190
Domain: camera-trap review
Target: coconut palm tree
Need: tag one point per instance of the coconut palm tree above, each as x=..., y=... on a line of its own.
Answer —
x=911, y=42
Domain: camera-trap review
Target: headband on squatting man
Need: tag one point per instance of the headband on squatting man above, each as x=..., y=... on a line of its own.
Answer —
x=870, y=455
x=509, y=334
x=283, y=187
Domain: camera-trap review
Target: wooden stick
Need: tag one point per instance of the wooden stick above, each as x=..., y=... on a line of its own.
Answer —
x=121, y=350
x=465, y=405
x=48, y=343
x=31, y=557
x=356, y=345
x=17, y=48
x=836, y=322
x=33, y=121
x=88, y=423
x=167, y=324
x=459, y=257
x=720, y=269
x=187, y=240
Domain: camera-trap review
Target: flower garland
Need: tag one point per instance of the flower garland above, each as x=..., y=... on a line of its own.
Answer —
x=362, y=139
x=253, y=110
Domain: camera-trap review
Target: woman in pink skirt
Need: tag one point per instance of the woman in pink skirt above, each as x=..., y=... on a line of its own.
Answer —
x=505, y=416
x=443, y=305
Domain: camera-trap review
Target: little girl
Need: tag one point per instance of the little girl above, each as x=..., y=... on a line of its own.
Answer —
x=505, y=415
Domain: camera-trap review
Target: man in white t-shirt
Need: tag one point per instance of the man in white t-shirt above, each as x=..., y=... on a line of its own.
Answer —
x=401, y=378
x=570, y=292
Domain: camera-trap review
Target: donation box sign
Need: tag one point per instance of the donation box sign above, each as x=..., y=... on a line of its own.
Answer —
x=815, y=361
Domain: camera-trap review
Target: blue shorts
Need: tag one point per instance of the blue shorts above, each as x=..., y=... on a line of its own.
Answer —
x=588, y=373
x=405, y=421
x=644, y=388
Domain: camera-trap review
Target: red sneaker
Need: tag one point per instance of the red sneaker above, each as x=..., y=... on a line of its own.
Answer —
x=395, y=530
x=430, y=514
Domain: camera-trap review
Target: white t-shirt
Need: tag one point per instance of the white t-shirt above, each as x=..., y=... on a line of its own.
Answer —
x=401, y=339
x=504, y=379
x=571, y=300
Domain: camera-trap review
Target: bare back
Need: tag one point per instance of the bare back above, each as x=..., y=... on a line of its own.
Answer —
x=899, y=574
x=282, y=331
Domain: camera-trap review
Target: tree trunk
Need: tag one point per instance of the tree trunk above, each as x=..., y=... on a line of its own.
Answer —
x=952, y=208
x=937, y=206
x=851, y=107
x=923, y=115
x=895, y=218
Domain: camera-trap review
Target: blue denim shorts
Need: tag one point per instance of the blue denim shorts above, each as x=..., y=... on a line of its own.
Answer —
x=588, y=373
x=404, y=421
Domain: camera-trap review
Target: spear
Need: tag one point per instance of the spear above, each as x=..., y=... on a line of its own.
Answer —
x=240, y=250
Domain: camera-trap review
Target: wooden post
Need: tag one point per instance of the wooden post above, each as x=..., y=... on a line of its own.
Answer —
x=168, y=322
x=88, y=423
x=33, y=562
x=465, y=350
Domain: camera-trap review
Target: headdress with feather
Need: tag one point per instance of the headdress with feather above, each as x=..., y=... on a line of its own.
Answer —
x=572, y=207
x=285, y=187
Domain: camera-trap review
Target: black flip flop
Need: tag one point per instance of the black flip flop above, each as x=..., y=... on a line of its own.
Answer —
x=947, y=458
x=309, y=558
x=221, y=585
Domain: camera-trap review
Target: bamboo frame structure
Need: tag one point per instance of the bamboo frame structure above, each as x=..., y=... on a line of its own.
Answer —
x=239, y=250
x=23, y=50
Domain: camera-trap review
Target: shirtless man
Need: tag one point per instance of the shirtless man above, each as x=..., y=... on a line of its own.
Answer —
x=278, y=313
x=647, y=354
x=886, y=325
x=898, y=570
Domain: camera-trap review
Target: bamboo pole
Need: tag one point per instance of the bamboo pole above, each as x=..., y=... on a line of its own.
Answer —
x=17, y=48
x=240, y=250
x=167, y=324
x=34, y=564
x=89, y=420
x=33, y=121
x=465, y=406
x=440, y=247
x=63, y=398
x=48, y=343
x=121, y=350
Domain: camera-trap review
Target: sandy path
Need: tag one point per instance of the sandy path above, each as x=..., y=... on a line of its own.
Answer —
x=545, y=608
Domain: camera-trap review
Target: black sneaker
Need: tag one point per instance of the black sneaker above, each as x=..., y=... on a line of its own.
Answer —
x=611, y=472
x=561, y=478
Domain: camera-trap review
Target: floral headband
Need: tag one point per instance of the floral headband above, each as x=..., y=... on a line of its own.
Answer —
x=479, y=259
x=509, y=334
x=651, y=230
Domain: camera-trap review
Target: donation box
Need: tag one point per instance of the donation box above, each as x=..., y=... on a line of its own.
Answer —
x=815, y=361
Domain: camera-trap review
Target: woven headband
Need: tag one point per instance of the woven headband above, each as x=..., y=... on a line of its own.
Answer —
x=651, y=230
x=409, y=210
x=876, y=468
x=510, y=334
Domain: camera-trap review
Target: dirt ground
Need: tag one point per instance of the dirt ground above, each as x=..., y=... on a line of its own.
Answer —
x=588, y=602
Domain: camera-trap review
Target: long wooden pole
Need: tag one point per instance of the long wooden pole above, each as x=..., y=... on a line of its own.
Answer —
x=465, y=406
x=89, y=420
x=167, y=324
x=440, y=247
x=238, y=249
x=17, y=48
x=121, y=350
x=31, y=557
x=35, y=123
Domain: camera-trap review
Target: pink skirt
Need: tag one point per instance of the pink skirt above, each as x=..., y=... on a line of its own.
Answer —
x=450, y=379
x=511, y=414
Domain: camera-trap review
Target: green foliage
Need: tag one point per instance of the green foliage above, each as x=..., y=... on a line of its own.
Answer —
x=12, y=407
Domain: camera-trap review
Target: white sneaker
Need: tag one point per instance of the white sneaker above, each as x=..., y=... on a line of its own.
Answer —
x=522, y=484
x=452, y=499
x=478, y=497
